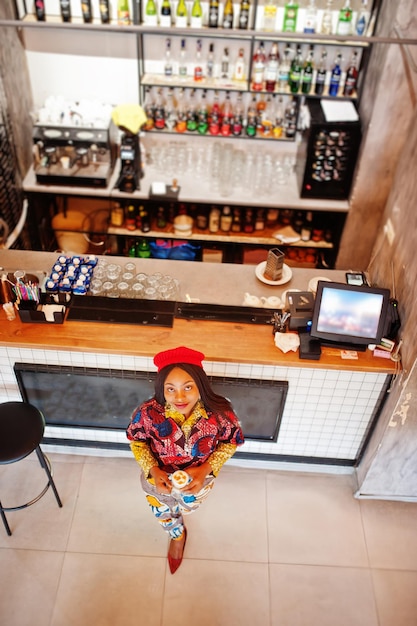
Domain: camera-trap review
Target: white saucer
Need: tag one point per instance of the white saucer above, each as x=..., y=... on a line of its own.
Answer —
x=286, y=274
x=312, y=285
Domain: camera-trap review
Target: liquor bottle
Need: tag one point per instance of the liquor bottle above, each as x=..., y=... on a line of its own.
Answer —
x=201, y=218
x=258, y=65
x=260, y=111
x=130, y=221
x=198, y=68
x=87, y=11
x=196, y=15
x=295, y=71
x=226, y=219
x=214, y=219
x=344, y=23
x=104, y=11
x=168, y=60
x=65, y=10
x=123, y=13
x=307, y=79
x=240, y=71
x=228, y=14
x=159, y=112
x=251, y=118
x=202, y=115
x=143, y=249
x=40, y=10
x=290, y=121
x=210, y=62
x=327, y=19
x=170, y=110
x=181, y=15
x=145, y=220
x=151, y=13
x=284, y=69
x=278, y=128
x=181, y=125
x=244, y=14
x=363, y=18
x=321, y=74
x=227, y=117
x=310, y=20
x=307, y=227
x=182, y=65
x=237, y=122
x=267, y=119
x=298, y=221
x=335, y=76
x=191, y=113
x=225, y=65
x=271, y=69
x=165, y=14
x=270, y=15
x=213, y=20
x=236, y=221
x=351, y=76
x=215, y=116
x=149, y=108
x=290, y=17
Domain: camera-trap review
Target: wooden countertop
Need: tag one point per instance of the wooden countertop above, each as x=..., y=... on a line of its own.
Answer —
x=220, y=341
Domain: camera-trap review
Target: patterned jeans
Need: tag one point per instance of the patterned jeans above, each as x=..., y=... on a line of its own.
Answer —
x=169, y=508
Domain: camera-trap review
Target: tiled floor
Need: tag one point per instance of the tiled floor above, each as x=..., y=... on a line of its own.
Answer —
x=268, y=548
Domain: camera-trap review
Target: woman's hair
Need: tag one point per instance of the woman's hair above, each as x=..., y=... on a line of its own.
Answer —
x=210, y=399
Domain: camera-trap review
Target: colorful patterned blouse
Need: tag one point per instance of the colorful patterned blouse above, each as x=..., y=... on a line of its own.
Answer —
x=163, y=436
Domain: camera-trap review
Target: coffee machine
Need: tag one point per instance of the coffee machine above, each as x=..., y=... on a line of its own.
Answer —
x=130, y=168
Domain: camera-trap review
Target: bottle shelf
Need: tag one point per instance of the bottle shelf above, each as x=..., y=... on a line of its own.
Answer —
x=219, y=84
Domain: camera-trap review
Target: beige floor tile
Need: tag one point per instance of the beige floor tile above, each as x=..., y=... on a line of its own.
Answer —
x=217, y=593
x=396, y=597
x=28, y=584
x=391, y=534
x=43, y=526
x=314, y=519
x=308, y=595
x=231, y=524
x=112, y=515
x=110, y=590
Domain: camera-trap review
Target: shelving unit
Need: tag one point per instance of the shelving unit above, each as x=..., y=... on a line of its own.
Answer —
x=134, y=55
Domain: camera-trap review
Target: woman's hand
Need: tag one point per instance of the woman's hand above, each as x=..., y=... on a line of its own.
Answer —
x=198, y=475
x=161, y=478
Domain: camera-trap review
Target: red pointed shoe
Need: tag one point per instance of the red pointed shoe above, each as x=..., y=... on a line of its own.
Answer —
x=175, y=563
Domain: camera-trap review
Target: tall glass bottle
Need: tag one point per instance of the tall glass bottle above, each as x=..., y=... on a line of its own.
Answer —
x=344, y=23
x=284, y=69
x=159, y=112
x=198, y=67
x=335, y=76
x=270, y=15
x=290, y=121
x=165, y=18
x=310, y=20
x=290, y=17
x=351, y=76
x=170, y=110
x=215, y=116
x=295, y=71
x=202, y=115
x=271, y=69
x=213, y=20
x=240, y=66
x=181, y=123
x=40, y=10
x=181, y=15
x=151, y=13
x=191, y=112
x=363, y=18
x=65, y=7
x=227, y=117
x=327, y=19
x=228, y=14
x=278, y=118
x=149, y=108
x=237, y=123
x=307, y=78
x=225, y=66
x=196, y=15
x=244, y=14
x=87, y=11
x=168, y=60
x=123, y=12
x=104, y=6
x=251, y=118
x=182, y=62
x=258, y=67
x=321, y=74
x=210, y=62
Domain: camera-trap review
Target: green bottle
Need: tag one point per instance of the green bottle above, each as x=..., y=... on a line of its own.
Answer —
x=344, y=24
x=151, y=13
x=143, y=249
x=295, y=71
x=202, y=116
x=181, y=15
x=290, y=17
x=165, y=14
x=196, y=15
x=307, y=79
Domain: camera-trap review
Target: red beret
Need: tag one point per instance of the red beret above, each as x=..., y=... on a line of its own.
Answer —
x=178, y=355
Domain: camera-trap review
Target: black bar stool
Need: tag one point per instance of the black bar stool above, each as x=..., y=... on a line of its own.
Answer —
x=21, y=430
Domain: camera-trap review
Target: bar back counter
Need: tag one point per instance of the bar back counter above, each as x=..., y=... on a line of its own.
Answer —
x=88, y=376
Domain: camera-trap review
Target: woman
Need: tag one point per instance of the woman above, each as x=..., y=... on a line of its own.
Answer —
x=185, y=426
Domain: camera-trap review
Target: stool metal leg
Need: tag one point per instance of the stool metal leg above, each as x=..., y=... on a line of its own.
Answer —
x=44, y=461
x=6, y=525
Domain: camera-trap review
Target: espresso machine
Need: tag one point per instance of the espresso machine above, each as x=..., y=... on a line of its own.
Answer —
x=130, y=163
x=79, y=156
